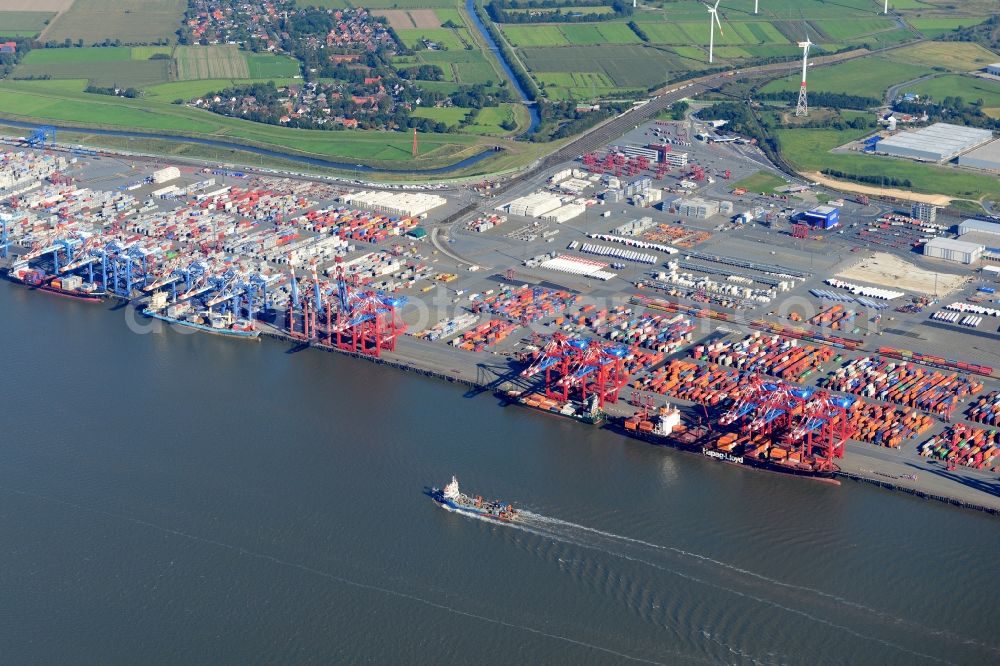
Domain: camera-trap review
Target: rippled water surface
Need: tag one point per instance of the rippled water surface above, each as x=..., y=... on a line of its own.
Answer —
x=178, y=498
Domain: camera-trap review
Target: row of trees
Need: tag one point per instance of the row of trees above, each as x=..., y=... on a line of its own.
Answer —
x=8, y=61
x=556, y=11
x=742, y=120
x=825, y=99
x=562, y=119
x=951, y=110
x=986, y=33
x=131, y=93
x=885, y=181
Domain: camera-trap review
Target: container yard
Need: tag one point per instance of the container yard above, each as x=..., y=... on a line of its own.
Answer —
x=629, y=307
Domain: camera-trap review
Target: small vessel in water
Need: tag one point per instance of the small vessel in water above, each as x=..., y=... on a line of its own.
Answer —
x=452, y=499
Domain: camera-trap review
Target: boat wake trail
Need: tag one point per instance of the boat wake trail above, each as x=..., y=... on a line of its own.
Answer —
x=732, y=579
x=335, y=578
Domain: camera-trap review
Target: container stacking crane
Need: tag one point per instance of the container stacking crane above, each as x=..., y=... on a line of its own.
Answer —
x=811, y=425
x=578, y=368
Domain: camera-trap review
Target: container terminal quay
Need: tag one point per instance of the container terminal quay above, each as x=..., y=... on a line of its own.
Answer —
x=639, y=288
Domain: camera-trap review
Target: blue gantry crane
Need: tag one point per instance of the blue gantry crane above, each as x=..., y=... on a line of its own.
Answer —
x=41, y=137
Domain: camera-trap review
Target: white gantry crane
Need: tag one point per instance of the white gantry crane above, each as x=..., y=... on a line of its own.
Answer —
x=802, y=107
x=713, y=20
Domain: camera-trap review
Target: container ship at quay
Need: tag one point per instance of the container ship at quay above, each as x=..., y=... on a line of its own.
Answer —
x=209, y=322
x=585, y=412
x=453, y=499
x=759, y=451
x=71, y=286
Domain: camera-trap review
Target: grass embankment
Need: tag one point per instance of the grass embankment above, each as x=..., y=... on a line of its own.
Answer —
x=62, y=102
x=508, y=161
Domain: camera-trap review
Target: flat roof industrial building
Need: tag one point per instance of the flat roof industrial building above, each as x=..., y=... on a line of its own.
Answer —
x=953, y=250
x=980, y=226
x=985, y=157
x=939, y=142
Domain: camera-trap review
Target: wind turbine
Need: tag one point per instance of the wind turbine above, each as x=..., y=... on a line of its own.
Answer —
x=802, y=108
x=713, y=20
x=886, y=10
x=756, y=2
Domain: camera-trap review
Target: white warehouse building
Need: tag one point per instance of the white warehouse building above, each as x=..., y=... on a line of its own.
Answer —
x=986, y=157
x=953, y=250
x=564, y=213
x=698, y=208
x=939, y=142
x=980, y=226
x=166, y=174
x=404, y=204
x=535, y=204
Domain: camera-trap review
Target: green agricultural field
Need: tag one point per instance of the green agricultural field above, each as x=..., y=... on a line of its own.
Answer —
x=731, y=52
x=489, y=119
x=627, y=66
x=772, y=51
x=147, y=52
x=121, y=73
x=188, y=90
x=883, y=39
x=453, y=15
x=451, y=39
x=394, y=4
x=599, y=33
x=131, y=21
x=870, y=77
x=103, y=67
x=956, y=56
x=449, y=115
x=271, y=66
x=935, y=27
x=210, y=62
x=42, y=101
x=462, y=66
x=603, y=10
x=842, y=31
x=808, y=150
x=326, y=4
x=75, y=55
x=577, y=85
x=443, y=87
x=969, y=88
x=535, y=35
x=696, y=53
x=23, y=24
x=665, y=33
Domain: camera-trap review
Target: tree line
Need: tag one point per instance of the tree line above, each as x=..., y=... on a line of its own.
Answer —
x=564, y=11
x=885, y=181
x=825, y=99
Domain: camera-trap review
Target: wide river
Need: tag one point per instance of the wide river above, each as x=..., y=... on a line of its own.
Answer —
x=186, y=499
